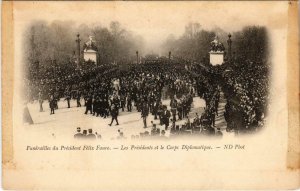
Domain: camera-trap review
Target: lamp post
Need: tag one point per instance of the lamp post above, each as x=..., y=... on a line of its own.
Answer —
x=78, y=50
x=137, y=57
x=229, y=42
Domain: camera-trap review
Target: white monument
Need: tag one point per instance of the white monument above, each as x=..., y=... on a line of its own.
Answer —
x=90, y=51
x=216, y=54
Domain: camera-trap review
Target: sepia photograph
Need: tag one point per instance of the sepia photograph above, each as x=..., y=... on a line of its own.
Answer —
x=150, y=95
x=93, y=81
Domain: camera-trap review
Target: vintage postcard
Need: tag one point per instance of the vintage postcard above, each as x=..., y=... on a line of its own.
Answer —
x=150, y=95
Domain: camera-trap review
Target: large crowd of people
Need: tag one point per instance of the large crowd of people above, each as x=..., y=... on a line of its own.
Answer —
x=110, y=89
x=246, y=87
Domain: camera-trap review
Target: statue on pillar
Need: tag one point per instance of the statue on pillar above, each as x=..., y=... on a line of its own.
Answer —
x=216, y=46
x=216, y=54
x=90, y=50
x=90, y=45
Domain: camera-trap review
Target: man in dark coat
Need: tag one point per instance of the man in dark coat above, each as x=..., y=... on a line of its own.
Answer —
x=105, y=108
x=88, y=105
x=52, y=104
x=213, y=117
x=129, y=103
x=166, y=117
x=123, y=101
x=145, y=113
x=78, y=99
x=96, y=106
x=160, y=110
x=155, y=109
x=114, y=115
x=68, y=98
x=56, y=99
x=173, y=105
x=180, y=110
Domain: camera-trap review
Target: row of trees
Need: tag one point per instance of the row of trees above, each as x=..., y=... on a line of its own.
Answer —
x=249, y=43
x=56, y=41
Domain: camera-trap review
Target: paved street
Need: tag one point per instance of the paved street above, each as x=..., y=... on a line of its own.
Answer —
x=62, y=125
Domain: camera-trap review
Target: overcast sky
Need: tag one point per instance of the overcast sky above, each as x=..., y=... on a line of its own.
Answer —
x=154, y=21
